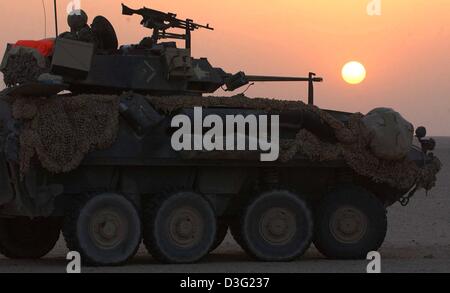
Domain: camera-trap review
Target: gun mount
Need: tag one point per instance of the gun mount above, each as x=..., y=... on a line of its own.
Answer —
x=160, y=22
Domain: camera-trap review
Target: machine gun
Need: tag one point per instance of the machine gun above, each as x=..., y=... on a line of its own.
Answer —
x=160, y=22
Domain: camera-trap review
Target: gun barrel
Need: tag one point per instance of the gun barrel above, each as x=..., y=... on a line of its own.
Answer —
x=233, y=82
x=259, y=78
x=196, y=25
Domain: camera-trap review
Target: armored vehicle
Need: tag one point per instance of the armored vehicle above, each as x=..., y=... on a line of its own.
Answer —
x=92, y=144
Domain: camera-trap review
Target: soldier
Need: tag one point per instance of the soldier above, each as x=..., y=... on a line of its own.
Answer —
x=79, y=28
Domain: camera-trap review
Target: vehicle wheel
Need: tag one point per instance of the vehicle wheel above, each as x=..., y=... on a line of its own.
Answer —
x=276, y=226
x=105, y=229
x=349, y=224
x=179, y=228
x=24, y=238
x=222, y=231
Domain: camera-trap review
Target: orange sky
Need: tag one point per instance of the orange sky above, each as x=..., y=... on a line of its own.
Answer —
x=406, y=50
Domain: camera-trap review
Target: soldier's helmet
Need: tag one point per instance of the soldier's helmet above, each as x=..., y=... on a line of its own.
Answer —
x=77, y=20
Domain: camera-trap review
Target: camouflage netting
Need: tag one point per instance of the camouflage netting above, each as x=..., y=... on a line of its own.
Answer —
x=354, y=140
x=62, y=130
x=23, y=65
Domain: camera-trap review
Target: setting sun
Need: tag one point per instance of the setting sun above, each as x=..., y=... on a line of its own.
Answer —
x=353, y=72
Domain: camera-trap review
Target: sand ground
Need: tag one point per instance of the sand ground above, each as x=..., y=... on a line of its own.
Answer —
x=418, y=240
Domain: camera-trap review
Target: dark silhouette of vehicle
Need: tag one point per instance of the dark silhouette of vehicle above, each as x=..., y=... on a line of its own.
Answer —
x=180, y=203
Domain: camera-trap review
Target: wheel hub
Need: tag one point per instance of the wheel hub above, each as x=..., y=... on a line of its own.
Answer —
x=108, y=228
x=278, y=226
x=185, y=227
x=348, y=225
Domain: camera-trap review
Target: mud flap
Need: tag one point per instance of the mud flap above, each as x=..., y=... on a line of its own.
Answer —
x=35, y=199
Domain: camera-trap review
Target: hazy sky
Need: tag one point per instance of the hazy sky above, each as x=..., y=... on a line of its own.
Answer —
x=406, y=50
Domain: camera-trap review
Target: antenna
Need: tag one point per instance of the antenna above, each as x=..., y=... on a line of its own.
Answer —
x=56, y=18
x=45, y=19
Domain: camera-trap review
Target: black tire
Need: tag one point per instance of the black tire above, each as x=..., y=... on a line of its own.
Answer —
x=179, y=228
x=350, y=223
x=24, y=238
x=222, y=231
x=105, y=229
x=275, y=226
